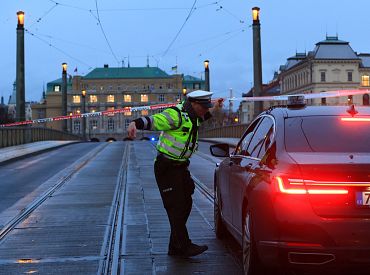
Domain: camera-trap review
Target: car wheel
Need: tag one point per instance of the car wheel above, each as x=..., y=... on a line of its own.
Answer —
x=220, y=228
x=250, y=258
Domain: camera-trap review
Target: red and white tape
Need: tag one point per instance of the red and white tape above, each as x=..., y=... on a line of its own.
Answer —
x=94, y=114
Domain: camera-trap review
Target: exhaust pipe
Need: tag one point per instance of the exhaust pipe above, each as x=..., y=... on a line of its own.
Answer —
x=310, y=258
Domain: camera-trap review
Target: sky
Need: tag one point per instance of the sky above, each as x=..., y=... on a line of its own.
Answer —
x=90, y=33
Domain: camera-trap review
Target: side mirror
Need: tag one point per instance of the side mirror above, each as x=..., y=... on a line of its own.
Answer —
x=220, y=150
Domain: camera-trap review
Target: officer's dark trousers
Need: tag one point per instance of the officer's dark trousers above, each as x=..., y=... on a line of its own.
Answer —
x=176, y=187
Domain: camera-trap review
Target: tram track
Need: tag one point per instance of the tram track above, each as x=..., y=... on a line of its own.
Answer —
x=111, y=251
x=30, y=208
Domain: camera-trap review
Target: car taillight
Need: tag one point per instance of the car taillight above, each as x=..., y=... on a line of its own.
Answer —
x=302, y=187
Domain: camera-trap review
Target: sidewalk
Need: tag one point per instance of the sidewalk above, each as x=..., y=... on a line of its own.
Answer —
x=20, y=151
x=146, y=227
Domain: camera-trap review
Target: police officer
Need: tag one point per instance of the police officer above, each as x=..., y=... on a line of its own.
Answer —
x=176, y=144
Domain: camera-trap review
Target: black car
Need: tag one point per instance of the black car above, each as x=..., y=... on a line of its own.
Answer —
x=295, y=192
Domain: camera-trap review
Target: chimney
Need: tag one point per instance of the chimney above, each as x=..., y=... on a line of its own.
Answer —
x=106, y=66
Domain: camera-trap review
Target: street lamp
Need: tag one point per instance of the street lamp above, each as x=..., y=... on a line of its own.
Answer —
x=184, y=92
x=83, y=92
x=206, y=75
x=20, y=75
x=64, y=96
x=257, y=60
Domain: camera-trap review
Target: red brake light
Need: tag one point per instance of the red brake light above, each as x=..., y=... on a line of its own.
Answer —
x=302, y=187
x=356, y=119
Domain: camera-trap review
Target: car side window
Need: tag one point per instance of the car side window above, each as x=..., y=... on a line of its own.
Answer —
x=267, y=142
x=241, y=149
x=259, y=137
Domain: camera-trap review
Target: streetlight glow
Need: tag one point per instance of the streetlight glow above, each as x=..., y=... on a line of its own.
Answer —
x=64, y=67
x=206, y=64
x=184, y=91
x=256, y=14
x=83, y=92
x=20, y=15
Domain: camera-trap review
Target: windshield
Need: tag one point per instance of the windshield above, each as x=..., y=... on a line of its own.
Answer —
x=326, y=134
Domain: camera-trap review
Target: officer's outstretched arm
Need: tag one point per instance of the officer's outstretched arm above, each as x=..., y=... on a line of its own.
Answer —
x=164, y=121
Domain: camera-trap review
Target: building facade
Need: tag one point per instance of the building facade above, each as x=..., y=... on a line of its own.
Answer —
x=332, y=65
x=109, y=89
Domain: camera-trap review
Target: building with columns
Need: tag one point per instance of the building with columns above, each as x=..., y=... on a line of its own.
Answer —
x=331, y=65
x=110, y=88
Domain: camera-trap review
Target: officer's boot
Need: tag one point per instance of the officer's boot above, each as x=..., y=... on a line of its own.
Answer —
x=193, y=250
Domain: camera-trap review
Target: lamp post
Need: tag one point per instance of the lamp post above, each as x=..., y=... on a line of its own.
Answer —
x=64, y=96
x=257, y=60
x=83, y=112
x=20, y=83
x=206, y=75
x=184, y=91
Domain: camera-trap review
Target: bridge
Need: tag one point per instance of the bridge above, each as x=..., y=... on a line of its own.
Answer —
x=75, y=207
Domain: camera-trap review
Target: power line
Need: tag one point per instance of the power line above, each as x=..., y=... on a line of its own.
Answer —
x=102, y=29
x=183, y=25
x=58, y=49
x=44, y=15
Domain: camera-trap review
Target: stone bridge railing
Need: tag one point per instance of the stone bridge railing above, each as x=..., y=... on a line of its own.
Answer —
x=11, y=136
x=229, y=131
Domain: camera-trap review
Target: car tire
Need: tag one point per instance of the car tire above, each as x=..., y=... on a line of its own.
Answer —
x=220, y=228
x=251, y=263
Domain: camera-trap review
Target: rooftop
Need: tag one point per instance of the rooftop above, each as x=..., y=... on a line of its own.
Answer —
x=126, y=73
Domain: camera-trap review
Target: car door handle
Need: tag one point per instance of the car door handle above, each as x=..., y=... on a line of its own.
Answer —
x=248, y=167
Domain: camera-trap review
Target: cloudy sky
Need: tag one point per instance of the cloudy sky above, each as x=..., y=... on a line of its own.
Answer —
x=90, y=33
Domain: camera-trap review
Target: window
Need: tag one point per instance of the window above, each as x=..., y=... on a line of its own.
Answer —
x=127, y=98
x=76, y=99
x=366, y=99
x=110, y=98
x=323, y=101
x=110, y=124
x=56, y=88
x=258, y=139
x=93, y=99
x=110, y=109
x=365, y=80
x=349, y=76
x=127, y=113
x=144, y=112
x=196, y=86
x=76, y=126
x=161, y=98
x=241, y=149
x=93, y=124
x=144, y=98
x=323, y=76
x=316, y=134
x=78, y=111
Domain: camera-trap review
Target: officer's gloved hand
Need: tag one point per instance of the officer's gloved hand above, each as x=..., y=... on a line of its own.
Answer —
x=131, y=130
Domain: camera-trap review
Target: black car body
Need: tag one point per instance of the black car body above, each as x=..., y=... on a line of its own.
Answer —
x=296, y=190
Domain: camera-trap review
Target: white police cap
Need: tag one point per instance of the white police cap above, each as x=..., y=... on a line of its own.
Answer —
x=201, y=97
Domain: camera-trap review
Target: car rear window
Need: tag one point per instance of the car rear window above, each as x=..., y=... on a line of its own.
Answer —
x=326, y=134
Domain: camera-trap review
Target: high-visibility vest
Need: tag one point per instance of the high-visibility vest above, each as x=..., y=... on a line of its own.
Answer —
x=179, y=137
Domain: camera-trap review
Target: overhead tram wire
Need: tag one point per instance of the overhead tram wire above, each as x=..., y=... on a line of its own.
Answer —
x=183, y=25
x=102, y=29
x=44, y=15
x=60, y=50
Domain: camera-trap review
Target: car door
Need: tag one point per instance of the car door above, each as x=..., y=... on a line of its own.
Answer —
x=237, y=163
x=242, y=171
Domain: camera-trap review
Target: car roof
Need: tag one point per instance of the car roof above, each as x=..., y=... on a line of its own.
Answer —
x=317, y=111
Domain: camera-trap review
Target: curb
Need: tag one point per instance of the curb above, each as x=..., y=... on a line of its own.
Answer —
x=10, y=160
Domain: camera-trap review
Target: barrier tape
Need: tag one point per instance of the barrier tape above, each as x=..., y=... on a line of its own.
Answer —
x=338, y=93
x=94, y=114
